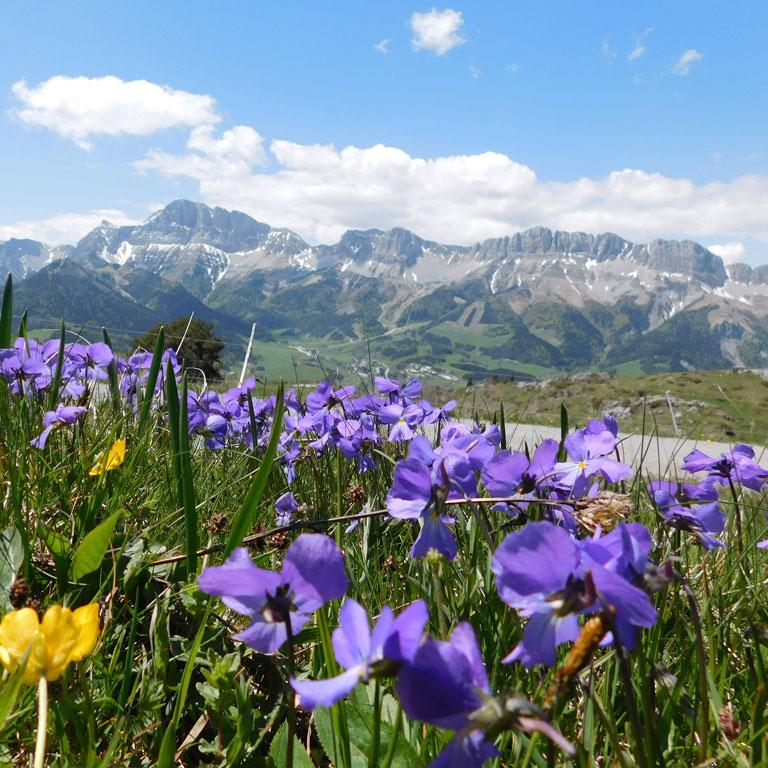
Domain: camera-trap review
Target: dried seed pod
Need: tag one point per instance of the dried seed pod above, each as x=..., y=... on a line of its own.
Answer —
x=279, y=541
x=19, y=593
x=606, y=511
x=729, y=725
x=355, y=496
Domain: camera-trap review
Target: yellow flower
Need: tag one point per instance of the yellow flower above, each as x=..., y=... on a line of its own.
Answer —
x=106, y=462
x=63, y=636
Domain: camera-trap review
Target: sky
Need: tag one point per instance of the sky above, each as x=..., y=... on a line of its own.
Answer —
x=459, y=121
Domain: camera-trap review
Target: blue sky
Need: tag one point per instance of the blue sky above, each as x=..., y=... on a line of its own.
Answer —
x=459, y=120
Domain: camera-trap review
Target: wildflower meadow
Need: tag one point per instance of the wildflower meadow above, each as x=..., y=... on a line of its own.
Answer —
x=344, y=574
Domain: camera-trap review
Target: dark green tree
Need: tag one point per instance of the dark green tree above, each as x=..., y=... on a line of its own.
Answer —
x=201, y=348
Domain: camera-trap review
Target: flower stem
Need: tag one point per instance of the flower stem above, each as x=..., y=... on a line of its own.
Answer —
x=42, y=722
x=737, y=510
x=437, y=588
x=290, y=697
x=703, y=717
x=373, y=753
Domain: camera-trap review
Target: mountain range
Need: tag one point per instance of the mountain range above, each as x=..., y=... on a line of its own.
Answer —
x=525, y=305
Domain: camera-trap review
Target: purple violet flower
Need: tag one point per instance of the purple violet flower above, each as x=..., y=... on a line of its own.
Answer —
x=63, y=415
x=414, y=495
x=678, y=508
x=738, y=466
x=551, y=578
x=285, y=506
x=446, y=685
x=509, y=474
x=362, y=652
x=312, y=573
x=587, y=459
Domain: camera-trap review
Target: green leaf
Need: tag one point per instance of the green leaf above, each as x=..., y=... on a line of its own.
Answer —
x=279, y=746
x=93, y=547
x=11, y=559
x=57, y=545
x=245, y=516
x=10, y=691
x=360, y=721
x=6, y=314
x=149, y=390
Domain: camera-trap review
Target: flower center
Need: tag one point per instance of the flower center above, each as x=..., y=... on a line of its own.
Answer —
x=278, y=607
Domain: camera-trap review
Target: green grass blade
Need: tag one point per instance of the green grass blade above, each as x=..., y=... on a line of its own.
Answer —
x=187, y=485
x=149, y=390
x=10, y=691
x=53, y=393
x=23, y=326
x=6, y=314
x=172, y=403
x=245, y=516
x=114, y=390
x=168, y=746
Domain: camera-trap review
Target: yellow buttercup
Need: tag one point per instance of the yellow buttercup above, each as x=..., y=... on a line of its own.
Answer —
x=106, y=462
x=63, y=636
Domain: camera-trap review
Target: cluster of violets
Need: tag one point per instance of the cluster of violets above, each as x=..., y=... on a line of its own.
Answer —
x=466, y=461
x=695, y=507
x=440, y=682
x=543, y=570
x=430, y=478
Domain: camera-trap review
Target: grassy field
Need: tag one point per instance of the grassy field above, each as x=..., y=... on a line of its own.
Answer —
x=133, y=503
x=711, y=405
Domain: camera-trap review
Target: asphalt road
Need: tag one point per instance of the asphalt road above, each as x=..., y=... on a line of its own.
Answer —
x=657, y=456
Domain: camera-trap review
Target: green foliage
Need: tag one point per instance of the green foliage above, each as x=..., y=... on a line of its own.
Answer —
x=201, y=347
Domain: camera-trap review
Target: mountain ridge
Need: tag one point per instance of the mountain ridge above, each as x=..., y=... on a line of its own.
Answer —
x=598, y=293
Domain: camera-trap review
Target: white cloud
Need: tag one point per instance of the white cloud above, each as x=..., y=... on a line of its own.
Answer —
x=319, y=191
x=437, y=31
x=63, y=228
x=232, y=156
x=683, y=64
x=382, y=46
x=475, y=71
x=79, y=108
x=607, y=51
x=512, y=69
x=639, y=48
x=730, y=253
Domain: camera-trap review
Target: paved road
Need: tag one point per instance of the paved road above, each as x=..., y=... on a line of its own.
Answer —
x=658, y=456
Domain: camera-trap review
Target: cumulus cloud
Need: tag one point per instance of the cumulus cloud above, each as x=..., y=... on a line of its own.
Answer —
x=730, y=253
x=63, y=228
x=320, y=191
x=232, y=156
x=437, y=31
x=683, y=64
x=79, y=108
